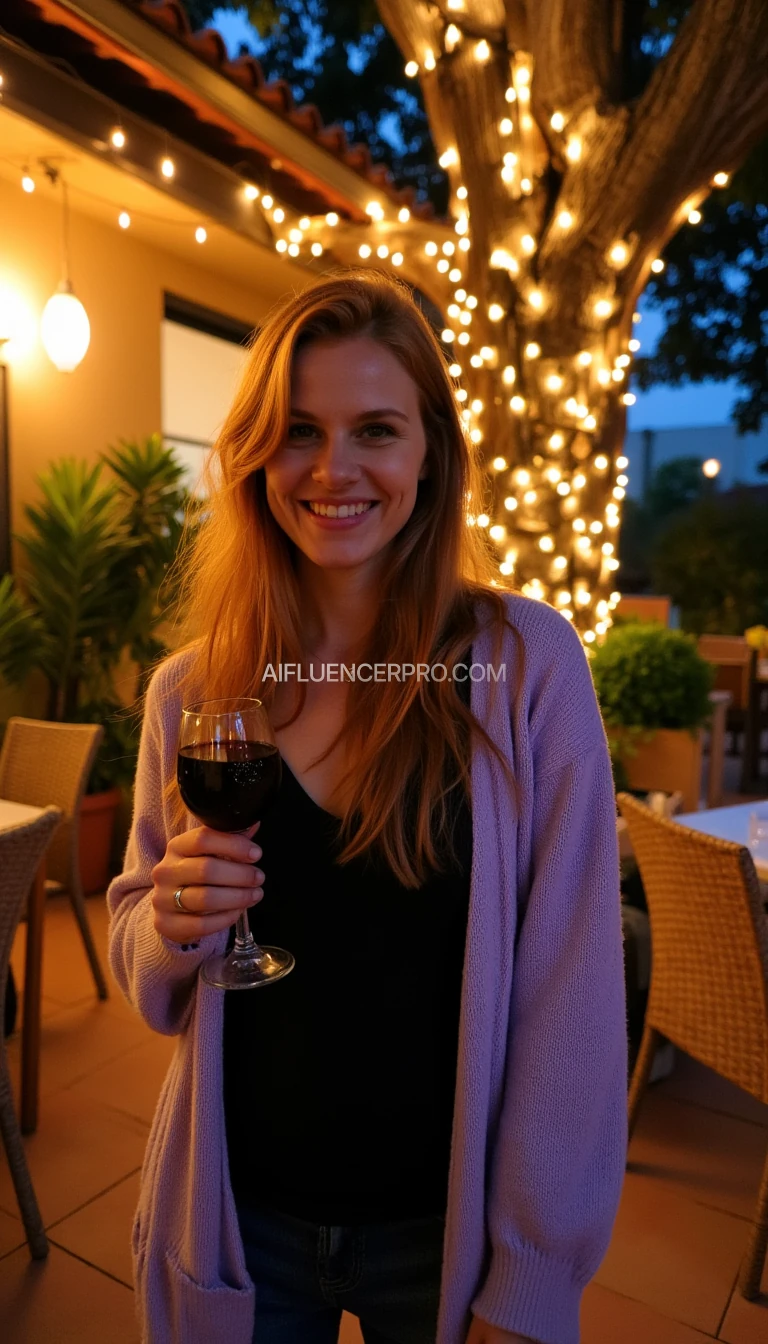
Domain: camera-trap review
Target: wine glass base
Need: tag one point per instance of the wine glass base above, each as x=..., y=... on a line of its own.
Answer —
x=243, y=971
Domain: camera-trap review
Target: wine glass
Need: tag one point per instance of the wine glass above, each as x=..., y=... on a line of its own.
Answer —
x=228, y=772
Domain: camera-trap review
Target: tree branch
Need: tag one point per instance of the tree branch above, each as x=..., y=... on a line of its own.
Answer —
x=573, y=47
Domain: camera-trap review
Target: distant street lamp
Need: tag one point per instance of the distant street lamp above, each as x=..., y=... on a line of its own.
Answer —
x=711, y=467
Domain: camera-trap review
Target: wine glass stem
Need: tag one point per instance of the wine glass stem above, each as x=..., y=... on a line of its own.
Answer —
x=244, y=939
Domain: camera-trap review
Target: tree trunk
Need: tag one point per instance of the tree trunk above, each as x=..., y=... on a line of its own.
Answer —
x=561, y=197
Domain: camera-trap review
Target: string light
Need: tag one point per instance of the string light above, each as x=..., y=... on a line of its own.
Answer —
x=657, y=266
x=603, y=308
x=374, y=210
x=584, y=358
x=634, y=346
x=167, y=168
x=267, y=202
x=462, y=193
x=721, y=179
x=505, y=126
x=557, y=122
x=508, y=375
x=124, y=219
x=517, y=404
x=629, y=398
x=619, y=254
x=565, y=219
x=536, y=299
x=117, y=138
x=495, y=312
x=404, y=214
x=694, y=217
x=573, y=149
x=278, y=215
x=200, y=234
x=27, y=183
x=317, y=250
x=528, y=244
x=412, y=69
x=510, y=95
x=448, y=159
x=251, y=192
x=364, y=251
x=430, y=249
x=482, y=51
x=532, y=350
x=429, y=59
x=554, y=382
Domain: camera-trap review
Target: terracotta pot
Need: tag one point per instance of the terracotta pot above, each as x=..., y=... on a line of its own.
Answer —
x=670, y=760
x=97, y=822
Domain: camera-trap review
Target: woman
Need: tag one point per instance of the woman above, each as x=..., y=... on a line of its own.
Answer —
x=425, y=1122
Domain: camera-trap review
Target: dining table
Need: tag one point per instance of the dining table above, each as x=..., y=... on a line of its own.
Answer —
x=730, y=823
x=19, y=814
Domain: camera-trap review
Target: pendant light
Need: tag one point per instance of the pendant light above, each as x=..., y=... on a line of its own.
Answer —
x=64, y=327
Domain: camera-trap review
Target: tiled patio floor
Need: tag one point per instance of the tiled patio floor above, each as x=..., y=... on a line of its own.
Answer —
x=669, y=1276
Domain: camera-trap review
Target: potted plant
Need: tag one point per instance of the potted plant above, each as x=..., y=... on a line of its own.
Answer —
x=96, y=553
x=653, y=687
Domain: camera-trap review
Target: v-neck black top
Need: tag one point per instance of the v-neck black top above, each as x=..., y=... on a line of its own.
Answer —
x=339, y=1080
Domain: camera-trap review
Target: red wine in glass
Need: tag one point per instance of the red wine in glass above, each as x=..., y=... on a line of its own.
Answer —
x=228, y=773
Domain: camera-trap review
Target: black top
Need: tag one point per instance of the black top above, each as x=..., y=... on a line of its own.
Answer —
x=339, y=1080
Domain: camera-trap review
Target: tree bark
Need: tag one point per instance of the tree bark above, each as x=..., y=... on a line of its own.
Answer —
x=588, y=174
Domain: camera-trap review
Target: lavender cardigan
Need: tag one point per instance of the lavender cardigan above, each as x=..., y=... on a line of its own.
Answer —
x=540, y=1126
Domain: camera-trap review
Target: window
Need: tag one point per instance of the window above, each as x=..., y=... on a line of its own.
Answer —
x=202, y=354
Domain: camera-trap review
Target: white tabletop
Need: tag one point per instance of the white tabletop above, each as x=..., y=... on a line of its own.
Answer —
x=729, y=823
x=16, y=814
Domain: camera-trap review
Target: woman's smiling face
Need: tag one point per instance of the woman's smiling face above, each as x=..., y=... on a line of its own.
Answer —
x=344, y=482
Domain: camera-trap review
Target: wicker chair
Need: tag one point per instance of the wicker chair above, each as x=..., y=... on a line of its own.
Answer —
x=46, y=764
x=709, y=972
x=21, y=849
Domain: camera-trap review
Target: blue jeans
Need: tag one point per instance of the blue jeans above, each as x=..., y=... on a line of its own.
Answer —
x=305, y=1274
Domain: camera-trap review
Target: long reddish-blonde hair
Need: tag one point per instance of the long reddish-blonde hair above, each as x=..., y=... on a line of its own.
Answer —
x=407, y=743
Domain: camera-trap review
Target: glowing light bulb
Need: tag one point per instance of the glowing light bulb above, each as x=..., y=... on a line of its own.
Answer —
x=117, y=138
x=404, y=214
x=463, y=338
x=476, y=436
x=281, y=245
x=382, y=251
x=412, y=69
x=317, y=250
x=657, y=266
x=430, y=249
x=565, y=219
x=556, y=441
x=124, y=219
x=629, y=398
x=464, y=244
x=694, y=217
x=495, y=312
x=267, y=202
x=573, y=149
x=453, y=37
x=601, y=462
x=443, y=265
x=532, y=350
x=603, y=377
x=429, y=59
x=200, y=235
x=622, y=462
x=449, y=249
x=528, y=244
x=619, y=492
x=557, y=122
x=721, y=179
x=510, y=95
x=619, y=254
x=27, y=184
x=304, y=222
x=364, y=251
x=251, y=192
x=295, y=235
x=546, y=543
x=554, y=382
x=711, y=468
x=374, y=210
x=579, y=481
x=505, y=126
x=462, y=193
x=517, y=404
x=167, y=168
x=477, y=405
x=293, y=249
x=529, y=497
x=603, y=308
x=510, y=503
x=487, y=352
x=447, y=335
x=482, y=51
x=278, y=215
x=563, y=488
x=618, y=375
x=508, y=375
x=447, y=159
x=584, y=358
x=536, y=299
x=499, y=464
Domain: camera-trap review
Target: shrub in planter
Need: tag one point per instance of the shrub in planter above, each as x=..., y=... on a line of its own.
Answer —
x=653, y=687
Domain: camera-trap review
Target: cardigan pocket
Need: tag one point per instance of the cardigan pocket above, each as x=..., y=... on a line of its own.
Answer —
x=219, y=1314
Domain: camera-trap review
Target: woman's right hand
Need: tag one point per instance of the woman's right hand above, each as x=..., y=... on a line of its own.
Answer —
x=219, y=880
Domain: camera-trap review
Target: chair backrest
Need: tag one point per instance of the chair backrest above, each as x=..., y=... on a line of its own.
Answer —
x=48, y=764
x=646, y=608
x=21, y=849
x=734, y=662
x=709, y=938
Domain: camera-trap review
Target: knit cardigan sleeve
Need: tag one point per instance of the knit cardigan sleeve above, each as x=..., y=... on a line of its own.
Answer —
x=560, y=1154
x=158, y=977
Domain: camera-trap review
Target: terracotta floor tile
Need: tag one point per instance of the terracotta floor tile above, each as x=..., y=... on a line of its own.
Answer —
x=608, y=1318
x=80, y=1150
x=673, y=1254
x=350, y=1330
x=62, y=1301
x=694, y=1083
x=11, y=1232
x=100, y=1233
x=714, y=1159
x=132, y=1083
x=74, y=1042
